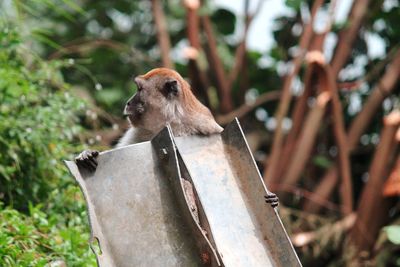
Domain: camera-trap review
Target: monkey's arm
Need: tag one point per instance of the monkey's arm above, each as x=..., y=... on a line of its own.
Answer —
x=134, y=135
x=127, y=138
x=87, y=159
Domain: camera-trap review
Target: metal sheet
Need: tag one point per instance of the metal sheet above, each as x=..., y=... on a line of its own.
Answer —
x=247, y=231
x=133, y=212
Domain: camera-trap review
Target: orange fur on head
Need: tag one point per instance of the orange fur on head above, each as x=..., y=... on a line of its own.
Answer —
x=191, y=102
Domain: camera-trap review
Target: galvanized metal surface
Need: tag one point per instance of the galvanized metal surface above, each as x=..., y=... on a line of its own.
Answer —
x=164, y=144
x=247, y=231
x=133, y=212
x=139, y=211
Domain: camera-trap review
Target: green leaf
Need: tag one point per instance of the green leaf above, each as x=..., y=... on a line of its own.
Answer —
x=224, y=21
x=295, y=4
x=322, y=161
x=393, y=233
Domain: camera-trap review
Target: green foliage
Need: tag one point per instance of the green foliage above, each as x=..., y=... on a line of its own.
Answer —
x=393, y=233
x=39, y=238
x=38, y=126
x=295, y=4
x=224, y=20
x=38, y=123
x=110, y=40
x=322, y=161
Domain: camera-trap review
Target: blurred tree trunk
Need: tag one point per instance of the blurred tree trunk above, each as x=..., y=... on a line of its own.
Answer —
x=306, y=141
x=272, y=164
x=298, y=115
x=216, y=65
x=197, y=76
x=346, y=187
x=373, y=206
x=348, y=35
x=383, y=88
x=162, y=33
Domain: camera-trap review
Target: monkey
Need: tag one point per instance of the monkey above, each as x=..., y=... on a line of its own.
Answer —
x=163, y=97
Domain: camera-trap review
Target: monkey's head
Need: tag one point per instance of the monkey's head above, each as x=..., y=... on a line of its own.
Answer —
x=162, y=97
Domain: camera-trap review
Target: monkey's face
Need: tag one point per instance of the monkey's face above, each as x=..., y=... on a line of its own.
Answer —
x=155, y=103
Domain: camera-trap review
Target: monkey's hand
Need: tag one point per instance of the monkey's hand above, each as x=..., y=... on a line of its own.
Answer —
x=87, y=159
x=272, y=199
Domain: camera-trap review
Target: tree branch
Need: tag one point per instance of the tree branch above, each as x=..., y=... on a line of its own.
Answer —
x=307, y=137
x=348, y=35
x=358, y=126
x=343, y=225
x=241, y=49
x=218, y=67
x=197, y=75
x=272, y=165
x=162, y=33
x=373, y=206
x=246, y=108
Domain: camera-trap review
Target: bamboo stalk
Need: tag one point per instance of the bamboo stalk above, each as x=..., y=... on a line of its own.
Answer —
x=392, y=185
x=271, y=166
x=298, y=114
x=246, y=108
x=372, y=211
x=224, y=90
x=384, y=88
x=300, y=107
x=348, y=35
x=241, y=49
x=162, y=33
x=306, y=141
x=346, y=188
x=196, y=74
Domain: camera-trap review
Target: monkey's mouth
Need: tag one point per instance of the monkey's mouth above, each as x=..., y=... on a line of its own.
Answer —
x=127, y=111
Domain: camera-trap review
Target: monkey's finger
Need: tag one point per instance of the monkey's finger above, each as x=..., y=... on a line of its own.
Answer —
x=91, y=153
x=273, y=203
x=86, y=165
x=91, y=164
x=78, y=161
x=91, y=156
x=94, y=160
x=82, y=164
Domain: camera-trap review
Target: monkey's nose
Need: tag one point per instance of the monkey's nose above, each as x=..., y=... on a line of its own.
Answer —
x=130, y=101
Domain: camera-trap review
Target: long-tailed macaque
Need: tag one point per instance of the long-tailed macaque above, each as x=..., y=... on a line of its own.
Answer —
x=162, y=97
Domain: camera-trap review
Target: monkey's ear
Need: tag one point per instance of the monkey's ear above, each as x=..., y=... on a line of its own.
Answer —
x=171, y=88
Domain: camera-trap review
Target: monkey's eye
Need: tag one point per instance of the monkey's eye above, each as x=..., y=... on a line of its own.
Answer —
x=139, y=88
x=171, y=88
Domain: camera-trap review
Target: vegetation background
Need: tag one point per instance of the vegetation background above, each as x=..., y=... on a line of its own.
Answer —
x=320, y=111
